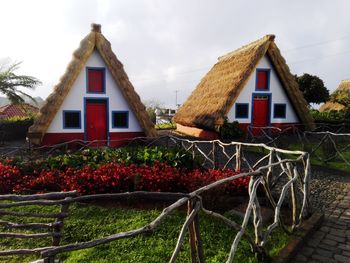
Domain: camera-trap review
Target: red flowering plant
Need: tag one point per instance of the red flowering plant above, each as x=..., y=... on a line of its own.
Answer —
x=115, y=178
x=9, y=177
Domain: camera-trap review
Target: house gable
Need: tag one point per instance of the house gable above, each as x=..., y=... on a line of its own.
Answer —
x=94, y=42
x=75, y=99
x=275, y=89
x=217, y=92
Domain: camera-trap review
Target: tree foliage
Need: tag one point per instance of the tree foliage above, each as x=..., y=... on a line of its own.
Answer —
x=312, y=88
x=341, y=96
x=10, y=83
x=151, y=106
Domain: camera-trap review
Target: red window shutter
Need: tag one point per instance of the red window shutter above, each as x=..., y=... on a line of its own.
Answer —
x=262, y=80
x=95, y=80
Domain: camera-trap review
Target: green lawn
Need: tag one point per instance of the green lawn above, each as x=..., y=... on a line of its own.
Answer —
x=87, y=222
x=323, y=153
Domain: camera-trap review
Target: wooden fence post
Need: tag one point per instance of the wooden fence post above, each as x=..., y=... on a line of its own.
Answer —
x=57, y=229
x=192, y=235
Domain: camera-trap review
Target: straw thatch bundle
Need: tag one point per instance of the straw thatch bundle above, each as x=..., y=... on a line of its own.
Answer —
x=343, y=86
x=94, y=40
x=216, y=93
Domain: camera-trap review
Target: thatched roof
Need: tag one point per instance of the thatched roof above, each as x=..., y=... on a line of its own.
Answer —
x=94, y=40
x=216, y=93
x=343, y=86
x=328, y=106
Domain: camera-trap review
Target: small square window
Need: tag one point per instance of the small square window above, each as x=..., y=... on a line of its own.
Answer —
x=242, y=110
x=262, y=79
x=279, y=111
x=96, y=80
x=120, y=119
x=71, y=120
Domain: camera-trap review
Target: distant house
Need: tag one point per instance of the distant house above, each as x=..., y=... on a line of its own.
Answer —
x=251, y=85
x=94, y=100
x=343, y=86
x=17, y=110
x=164, y=115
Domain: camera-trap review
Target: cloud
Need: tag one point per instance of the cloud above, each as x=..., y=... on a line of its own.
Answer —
x=170, y=45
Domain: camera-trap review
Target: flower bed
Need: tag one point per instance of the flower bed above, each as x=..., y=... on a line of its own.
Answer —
x=114, y=178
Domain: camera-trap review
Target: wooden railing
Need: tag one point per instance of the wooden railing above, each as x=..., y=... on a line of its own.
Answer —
x=283, y=176
x=53, y=229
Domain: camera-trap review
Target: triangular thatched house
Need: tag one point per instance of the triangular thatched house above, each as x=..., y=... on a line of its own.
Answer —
x=94, y=100
x=342, y=90
x=251, y=85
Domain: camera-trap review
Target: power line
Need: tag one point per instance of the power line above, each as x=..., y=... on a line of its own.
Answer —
x=136, y=79
x=320, y=58
x=317, y=44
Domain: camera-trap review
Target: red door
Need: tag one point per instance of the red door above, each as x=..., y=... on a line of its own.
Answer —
x=260, y=113
x=96, y=120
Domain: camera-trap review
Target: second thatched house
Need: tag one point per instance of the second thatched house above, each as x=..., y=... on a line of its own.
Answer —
x=251, y=85
x=93, y=101
x=342, y=90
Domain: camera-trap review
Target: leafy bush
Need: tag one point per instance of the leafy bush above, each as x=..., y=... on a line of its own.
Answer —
x=115, y=178
x=15, y=128
x=331, y=116
x=175, y=157
x=231, y=130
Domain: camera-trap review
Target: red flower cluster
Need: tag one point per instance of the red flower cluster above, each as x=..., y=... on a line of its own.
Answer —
x=9, y=176
x=115, y=178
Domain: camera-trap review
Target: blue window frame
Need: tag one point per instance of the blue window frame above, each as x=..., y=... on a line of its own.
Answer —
x=242, y=111
x=279, y=110
x=95, y=80
x=120, y=119
x=71, y=119
x=262, y=79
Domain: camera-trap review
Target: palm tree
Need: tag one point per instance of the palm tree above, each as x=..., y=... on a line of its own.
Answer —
x=10, y=83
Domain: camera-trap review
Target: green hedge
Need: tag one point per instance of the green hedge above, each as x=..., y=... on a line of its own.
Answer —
x=15, y=128
x=175, y=157
x=231, y=130
x=332, y=116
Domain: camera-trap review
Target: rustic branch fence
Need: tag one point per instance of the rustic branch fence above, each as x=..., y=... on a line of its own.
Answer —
x=282, y=176
x=326, y=143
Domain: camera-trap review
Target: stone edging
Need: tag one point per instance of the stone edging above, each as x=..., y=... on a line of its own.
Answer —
x=306, y=229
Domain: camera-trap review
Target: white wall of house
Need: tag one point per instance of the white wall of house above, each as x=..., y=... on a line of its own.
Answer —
x=277, y=92
x=75, y=100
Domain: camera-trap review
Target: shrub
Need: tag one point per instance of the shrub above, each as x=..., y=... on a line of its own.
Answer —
x=175, y=157
x=230, y=130
x=16, y=128
x=331, y=116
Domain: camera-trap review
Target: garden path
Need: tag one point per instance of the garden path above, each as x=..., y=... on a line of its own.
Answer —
x=331, y=242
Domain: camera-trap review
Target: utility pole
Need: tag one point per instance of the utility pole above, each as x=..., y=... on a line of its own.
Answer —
x=176, y=91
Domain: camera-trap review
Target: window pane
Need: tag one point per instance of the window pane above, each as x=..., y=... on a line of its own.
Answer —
x=72, y=119
x=241, y=110
x=279, y=111
x=120, y=119
x=95, y=80
x=262, y=80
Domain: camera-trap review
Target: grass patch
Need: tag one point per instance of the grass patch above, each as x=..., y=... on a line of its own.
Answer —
x=88, y=222
x=166, y=126
x=324, y=152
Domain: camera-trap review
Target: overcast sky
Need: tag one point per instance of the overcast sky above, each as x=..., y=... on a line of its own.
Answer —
x=169, y=45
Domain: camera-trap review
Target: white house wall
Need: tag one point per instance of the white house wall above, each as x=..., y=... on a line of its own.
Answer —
x=75, y=100
x=278, y=95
